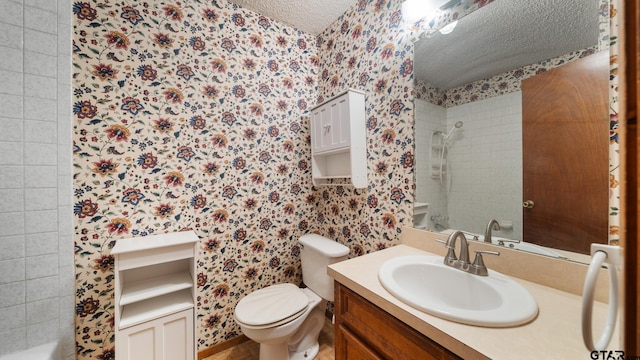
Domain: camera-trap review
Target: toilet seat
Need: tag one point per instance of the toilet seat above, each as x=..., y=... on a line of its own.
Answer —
x=271, y=306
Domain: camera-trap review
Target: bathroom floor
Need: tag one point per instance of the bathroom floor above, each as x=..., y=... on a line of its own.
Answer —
x=249, y=350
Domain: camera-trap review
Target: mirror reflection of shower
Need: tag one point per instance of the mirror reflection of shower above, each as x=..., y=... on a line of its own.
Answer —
x=439, y=169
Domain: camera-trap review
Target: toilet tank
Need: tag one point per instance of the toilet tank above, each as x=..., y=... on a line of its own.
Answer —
x=316, y=253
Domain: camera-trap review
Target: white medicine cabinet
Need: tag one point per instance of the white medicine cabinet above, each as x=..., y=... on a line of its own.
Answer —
x=338, y=141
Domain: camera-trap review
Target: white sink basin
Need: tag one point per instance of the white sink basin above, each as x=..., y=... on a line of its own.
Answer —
x=425, y=283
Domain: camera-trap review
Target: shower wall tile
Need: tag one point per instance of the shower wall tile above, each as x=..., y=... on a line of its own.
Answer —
x=42, y=288
x=11, y=36
x=42, y=311
x=12, y=270
x=65, y=191
x=10, y=59
x=429, y=118
x=11, y=106
x=41, y=221
x=42, y=332
x=35, y=175
x=64, y=158
x=40, y=176
x=13, y=317
x=12, y=200
x=66, y=288
x=65, y=256
x=12, y=294
x=40, y=154
x=64, y=102
x=42, y=266
x=12, y=129
x=41, y=87
x=64, y=14
x=40, y=42
x=12, y=247
x=10, y=153
x=41, y=244
x=10, y=176
x=65, y=134
x=41, y=20
x=48, y=5
x=13, y=340
x=11, y=223
x=40, y=64
x=488, y=165
x=65, y=220
x=63, y=70
x=39, y=109
x=11, y=82
x=40, y=131
x=11, y=13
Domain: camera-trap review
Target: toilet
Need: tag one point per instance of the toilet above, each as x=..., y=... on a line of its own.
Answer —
x=285, y=319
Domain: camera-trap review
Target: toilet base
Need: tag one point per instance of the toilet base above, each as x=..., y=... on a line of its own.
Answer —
x=281, y=352
x=308, y=354
x=274, y=351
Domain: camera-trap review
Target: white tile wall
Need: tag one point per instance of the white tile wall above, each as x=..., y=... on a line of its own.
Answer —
x=36, y=244
x=429, y=118
x=484, y=163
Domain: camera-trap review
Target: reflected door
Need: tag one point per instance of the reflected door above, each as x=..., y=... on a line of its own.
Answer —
x=565, y=128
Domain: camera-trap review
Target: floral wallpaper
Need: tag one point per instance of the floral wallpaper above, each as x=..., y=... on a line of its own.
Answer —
x=187, y=115
x=194, y=115
x=368, y=49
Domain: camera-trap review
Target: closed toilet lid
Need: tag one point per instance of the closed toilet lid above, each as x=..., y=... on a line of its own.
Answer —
x=272, y=305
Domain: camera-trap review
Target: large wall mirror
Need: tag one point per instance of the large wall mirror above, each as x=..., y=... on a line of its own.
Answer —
x=469, y=120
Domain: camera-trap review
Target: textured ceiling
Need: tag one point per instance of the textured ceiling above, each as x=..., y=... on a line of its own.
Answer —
x=311, y=16
x=505, y=35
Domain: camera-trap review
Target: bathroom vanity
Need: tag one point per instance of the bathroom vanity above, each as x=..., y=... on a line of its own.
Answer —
x=365, y=331
x=372, y=324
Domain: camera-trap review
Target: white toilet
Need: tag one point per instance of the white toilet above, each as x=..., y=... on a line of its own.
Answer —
x=286, y=320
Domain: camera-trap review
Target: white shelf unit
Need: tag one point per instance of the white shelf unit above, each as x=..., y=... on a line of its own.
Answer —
x=155, y=296
x=338, y=136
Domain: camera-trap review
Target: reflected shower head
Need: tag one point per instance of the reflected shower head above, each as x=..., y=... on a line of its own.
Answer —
x=457, y=125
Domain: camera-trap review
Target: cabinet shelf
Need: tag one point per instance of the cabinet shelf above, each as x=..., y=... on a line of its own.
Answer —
x=161, y=285
x=153, y=308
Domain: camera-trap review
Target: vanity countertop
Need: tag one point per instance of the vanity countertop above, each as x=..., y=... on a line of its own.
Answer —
x=554, y=334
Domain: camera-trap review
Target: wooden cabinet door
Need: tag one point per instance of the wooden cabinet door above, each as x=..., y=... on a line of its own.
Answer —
x=565, y=127
x=349, y=346
x=363, y=331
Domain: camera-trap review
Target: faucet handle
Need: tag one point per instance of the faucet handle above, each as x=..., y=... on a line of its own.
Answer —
x=446, y=244
x=501, y=241
x=451, y=252
x=478, y=267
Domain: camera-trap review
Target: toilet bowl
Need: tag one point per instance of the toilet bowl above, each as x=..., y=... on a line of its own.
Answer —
x=285, y=319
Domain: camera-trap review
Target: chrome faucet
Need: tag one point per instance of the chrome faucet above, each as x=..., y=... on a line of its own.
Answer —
x=492, y=225
x=477, y=268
